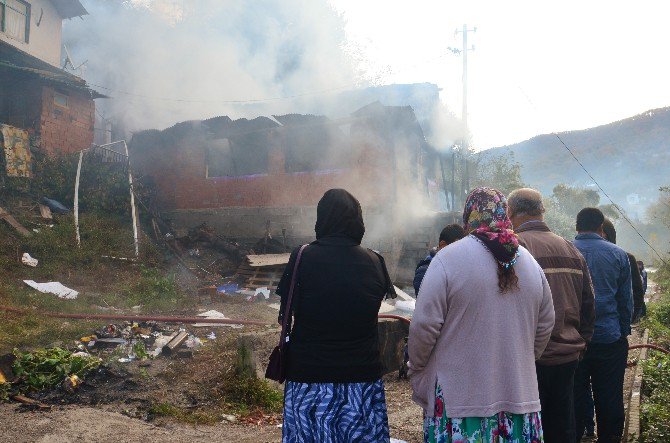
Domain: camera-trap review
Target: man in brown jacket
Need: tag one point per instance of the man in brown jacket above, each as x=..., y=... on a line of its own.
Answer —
x=572, y=292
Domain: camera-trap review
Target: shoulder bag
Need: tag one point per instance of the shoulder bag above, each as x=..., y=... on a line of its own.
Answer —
x=277, y=365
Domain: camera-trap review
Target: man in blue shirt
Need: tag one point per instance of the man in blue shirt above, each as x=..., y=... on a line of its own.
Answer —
x=450, y=234
x=604, y=362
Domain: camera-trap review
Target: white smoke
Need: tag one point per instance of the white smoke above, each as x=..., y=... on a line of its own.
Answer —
x=164, y=61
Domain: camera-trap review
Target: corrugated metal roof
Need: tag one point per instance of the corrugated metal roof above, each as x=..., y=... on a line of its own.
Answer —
x=69, y=8
x=257, y=261
x=17, y=60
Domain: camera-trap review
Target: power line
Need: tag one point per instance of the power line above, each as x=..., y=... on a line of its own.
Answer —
x=610, y=199
x=618, y=208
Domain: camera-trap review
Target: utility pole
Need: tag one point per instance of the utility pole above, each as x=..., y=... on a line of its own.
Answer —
x=465, y=181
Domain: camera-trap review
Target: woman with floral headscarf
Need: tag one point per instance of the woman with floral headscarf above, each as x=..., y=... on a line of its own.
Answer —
x=483, y=316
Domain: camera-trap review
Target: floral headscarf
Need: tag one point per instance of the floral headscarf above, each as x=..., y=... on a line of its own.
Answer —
x=485, y=214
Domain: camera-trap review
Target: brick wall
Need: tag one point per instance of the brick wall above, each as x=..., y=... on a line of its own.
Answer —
x=66, y=129
x=178, y=171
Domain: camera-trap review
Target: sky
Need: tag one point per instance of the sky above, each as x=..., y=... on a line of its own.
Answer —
x=537, y=67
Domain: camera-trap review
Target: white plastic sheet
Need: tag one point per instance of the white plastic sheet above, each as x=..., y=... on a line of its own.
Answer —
x=405, y=306
x=53, y=287
x=214, y=314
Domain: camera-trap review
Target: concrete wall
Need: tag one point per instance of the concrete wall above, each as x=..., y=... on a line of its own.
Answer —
x=44, y=40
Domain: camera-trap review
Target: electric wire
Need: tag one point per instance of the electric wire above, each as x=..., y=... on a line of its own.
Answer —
x=623, y=214
x=618, y=208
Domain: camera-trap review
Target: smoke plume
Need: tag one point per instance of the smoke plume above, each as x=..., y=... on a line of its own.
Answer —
x=164, y=61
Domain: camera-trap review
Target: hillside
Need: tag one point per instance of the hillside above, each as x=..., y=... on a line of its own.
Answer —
x=629, y=158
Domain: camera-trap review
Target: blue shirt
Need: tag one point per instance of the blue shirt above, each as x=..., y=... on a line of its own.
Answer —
x=612, y=285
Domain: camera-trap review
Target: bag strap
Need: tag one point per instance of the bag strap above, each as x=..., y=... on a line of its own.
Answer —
x=390, y=289
x=289, y=298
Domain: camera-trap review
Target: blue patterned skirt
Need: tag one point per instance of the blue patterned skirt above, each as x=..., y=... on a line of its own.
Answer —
x=335, y=413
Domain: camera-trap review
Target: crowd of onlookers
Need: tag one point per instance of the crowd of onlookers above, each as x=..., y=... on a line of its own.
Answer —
x=518, y=334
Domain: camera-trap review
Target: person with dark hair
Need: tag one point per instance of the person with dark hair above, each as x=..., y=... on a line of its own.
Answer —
x=604, y=362
x=450, y=234
x=638, y=290
x=572, y=293
x=334, y=390
x=483, y=315
x=590, y=220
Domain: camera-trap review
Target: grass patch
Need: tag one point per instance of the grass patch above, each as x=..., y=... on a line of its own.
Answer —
x=246, y=395
x=185, y=415
x=101, y=282
x=655, y=413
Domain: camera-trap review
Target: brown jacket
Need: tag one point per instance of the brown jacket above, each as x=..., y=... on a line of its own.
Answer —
x=571, y=289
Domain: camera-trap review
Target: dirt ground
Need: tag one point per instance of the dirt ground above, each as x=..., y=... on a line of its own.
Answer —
x=72, y=423
x=112, y=407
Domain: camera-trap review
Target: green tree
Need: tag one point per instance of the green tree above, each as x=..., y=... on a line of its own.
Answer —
x=502, y=172
x=571, y=200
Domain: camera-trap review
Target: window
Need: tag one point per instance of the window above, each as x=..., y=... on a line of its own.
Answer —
x=60, y=99
x=15, y=19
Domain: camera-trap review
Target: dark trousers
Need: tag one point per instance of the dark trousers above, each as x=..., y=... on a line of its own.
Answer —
x=555, y=384
x=604, y=365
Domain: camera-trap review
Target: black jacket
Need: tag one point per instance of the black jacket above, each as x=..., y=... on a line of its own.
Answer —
x=340, y=287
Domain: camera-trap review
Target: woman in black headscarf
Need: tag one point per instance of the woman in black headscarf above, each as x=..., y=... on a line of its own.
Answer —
x=334, y=390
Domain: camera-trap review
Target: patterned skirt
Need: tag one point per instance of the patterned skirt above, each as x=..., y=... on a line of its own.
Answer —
x=502, y=427
x=334, y=412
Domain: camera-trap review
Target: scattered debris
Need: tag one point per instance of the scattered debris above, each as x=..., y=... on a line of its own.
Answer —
x=213, y=314
x=402, y=295
x=53, y=288
x=193, y=342
x=228, y=288
x=262, y=271
x=6, y=216
x=45, y=212
x=257, y=261
x=55, y=206
x=27, y=260
x=265, y=292
x=386, y=308
x=172, y=346
x=107, y=342
x=406, y=306
x=33, y=404
x=229, y=418
x=71, y=383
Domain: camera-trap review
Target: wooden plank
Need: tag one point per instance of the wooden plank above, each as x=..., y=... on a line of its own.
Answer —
x=6, y=216
x=268, y=260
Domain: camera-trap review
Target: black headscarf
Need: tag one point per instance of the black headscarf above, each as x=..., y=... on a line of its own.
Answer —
x=339, y=214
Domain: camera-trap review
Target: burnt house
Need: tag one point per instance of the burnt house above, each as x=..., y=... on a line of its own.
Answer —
x=38, y=99
x=244, y=177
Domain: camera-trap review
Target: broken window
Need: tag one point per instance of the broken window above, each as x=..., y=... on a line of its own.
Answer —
x=15, y=19
x=60, y=99
x=313, y=143
x=237, y=157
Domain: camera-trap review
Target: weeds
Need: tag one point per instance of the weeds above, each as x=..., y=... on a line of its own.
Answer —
x=184, y=415
x=655, y=418
x=47, y=368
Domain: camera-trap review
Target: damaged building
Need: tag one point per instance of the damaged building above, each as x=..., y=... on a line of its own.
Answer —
x=41, y=105
x=249, y=177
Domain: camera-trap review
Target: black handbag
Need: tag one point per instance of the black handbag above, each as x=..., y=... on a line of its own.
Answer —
x=277, y=365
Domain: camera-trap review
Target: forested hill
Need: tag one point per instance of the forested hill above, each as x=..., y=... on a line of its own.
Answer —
x=629, y=158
